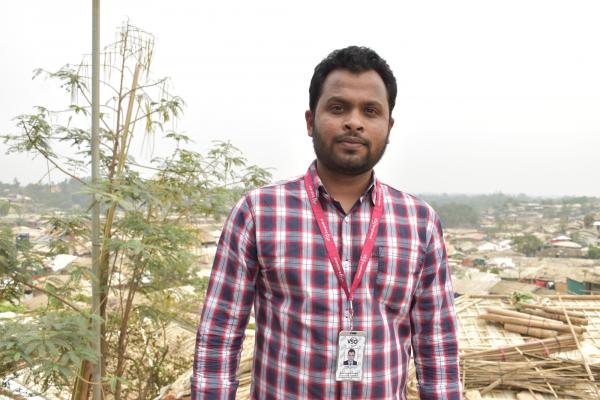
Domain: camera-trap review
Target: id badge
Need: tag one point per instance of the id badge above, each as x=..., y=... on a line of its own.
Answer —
x=351, y=351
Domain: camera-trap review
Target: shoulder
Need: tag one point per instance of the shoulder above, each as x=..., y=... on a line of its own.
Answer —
x=412, y=213
x=271, y=188
x=258, y=209
x=286, y=193
x=407, y=204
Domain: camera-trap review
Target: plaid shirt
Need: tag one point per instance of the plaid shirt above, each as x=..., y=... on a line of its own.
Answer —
x=271, y=255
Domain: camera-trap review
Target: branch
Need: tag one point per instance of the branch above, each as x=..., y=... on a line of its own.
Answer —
x=43, y=153
x=57, y=297
x=144, y=116
x=45, y=175
x=149, y=85
x=90, y=103
x=144, y=166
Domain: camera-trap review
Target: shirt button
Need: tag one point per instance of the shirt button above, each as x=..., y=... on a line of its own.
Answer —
x=347, y=219
x=346, y=264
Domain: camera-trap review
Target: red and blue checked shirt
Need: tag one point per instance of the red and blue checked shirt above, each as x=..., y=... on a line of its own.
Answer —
x=271, y=255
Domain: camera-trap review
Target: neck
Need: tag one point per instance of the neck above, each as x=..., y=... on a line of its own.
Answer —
x=344, y=188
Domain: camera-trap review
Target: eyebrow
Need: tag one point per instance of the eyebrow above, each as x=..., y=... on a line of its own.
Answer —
x=344, y=100
x=337, y=99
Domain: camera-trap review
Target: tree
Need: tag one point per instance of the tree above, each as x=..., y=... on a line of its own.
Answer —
x=594, y=252
x=454, y=215
x=149, y=223
x=588, y=220
x=527, y=244
x=4, y=208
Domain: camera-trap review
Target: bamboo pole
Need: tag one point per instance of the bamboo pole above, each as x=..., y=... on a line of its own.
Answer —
x=580, y=297
x=516, y=352
x=516, y=314
x=95, y=150
x=529, y=396
x=587, y=367
x=551, y=310
x=559, y=327
x=558, y=378
x=529, y=331
x=559, y=317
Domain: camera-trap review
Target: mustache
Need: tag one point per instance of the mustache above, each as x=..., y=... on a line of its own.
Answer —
x=352, y=138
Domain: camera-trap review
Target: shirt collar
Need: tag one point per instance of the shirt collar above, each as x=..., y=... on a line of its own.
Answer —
x=320, y=188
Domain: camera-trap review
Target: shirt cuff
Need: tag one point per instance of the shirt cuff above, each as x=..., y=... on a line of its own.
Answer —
x=447, y=391
x=212, y=389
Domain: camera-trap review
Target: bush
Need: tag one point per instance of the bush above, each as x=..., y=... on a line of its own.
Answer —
x=594, y=252
x=527, y=244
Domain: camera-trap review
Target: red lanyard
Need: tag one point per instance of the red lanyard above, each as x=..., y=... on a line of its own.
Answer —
x=332, y=251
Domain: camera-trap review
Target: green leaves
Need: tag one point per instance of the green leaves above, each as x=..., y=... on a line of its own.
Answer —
x=36, y=134
x=53, y=344
x=455, y=215
x=178, y=137
x=527, y=244
x=168, y=108
x=593, y=252
x=208, y=184
x=150, y=227
x=69, y=78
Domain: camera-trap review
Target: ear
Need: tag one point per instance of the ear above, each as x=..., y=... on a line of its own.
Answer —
x=308, y=116
x=390, y=126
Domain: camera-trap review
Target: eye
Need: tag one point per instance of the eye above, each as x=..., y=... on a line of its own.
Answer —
x=371, y=111
x=336, y=108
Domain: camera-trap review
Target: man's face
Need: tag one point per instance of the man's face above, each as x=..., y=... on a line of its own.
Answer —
x=352, y=123
x=350, y=356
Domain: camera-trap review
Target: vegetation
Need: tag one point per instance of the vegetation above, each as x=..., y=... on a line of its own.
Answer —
x=149, y=228
x=479, y=202
x=454, y=215
x=66, y=195
x=588, y=220
x=4, y=208
x=519, y=298
x=527, y=244
x=9, y=307
x=594, y=252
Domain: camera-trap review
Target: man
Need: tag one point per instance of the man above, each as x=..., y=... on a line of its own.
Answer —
x=350, y=360
x=332, y=260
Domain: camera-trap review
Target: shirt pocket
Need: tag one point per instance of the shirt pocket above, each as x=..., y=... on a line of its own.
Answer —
x=293, y=279
x=397, y=272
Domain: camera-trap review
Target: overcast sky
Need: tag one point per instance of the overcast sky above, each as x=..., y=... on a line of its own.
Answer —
x=492, y=95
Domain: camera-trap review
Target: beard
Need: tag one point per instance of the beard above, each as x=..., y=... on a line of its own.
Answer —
x=346, y=163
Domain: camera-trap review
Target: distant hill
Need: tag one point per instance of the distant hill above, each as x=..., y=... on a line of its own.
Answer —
x=66, y=195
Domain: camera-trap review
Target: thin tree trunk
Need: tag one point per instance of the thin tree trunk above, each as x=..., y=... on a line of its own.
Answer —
x=82, y=388
x=105, y=253
x=122, y=342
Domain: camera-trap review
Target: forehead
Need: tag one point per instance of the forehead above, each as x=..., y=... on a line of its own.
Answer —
x=363, y=86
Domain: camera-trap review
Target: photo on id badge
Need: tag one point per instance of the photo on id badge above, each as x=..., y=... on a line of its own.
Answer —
x=351, y=349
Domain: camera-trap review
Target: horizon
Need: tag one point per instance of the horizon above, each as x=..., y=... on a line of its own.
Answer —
x=423, y=194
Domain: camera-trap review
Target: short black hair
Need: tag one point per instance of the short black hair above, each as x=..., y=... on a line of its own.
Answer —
x=356, y=60
x=351, y=351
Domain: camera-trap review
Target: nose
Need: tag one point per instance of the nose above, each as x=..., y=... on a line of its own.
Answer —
x=354, y=122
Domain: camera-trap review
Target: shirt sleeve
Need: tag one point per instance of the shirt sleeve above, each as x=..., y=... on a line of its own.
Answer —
x=226, y=310
x=434, y=324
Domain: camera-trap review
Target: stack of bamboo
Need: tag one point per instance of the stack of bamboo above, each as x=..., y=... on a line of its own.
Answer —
x=555, y=314
x=558, y=378
x=529, y=366
x=519, y=352
x=537, y=321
